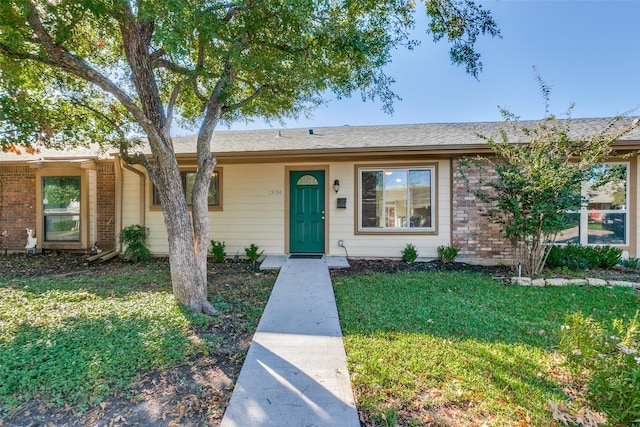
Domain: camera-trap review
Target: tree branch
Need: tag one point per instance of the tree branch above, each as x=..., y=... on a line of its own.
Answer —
x=172, y=102
x=136, y=159
x=245, y=101
x=28, y=56
x=60, y=58
x=123, y=142
x=234, y=10
x=157, y=54
x=158, y=62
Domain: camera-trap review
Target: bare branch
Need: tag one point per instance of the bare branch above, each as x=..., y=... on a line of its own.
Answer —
x=196, y=90
x=136, y=159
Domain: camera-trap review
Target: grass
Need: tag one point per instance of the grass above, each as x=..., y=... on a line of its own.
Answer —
x=74, y=340
x=461, y=349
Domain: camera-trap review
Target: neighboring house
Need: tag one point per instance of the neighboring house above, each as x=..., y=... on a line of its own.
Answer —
x=375, y=188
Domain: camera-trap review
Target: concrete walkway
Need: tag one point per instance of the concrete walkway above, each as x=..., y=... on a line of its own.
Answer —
x=295, y=373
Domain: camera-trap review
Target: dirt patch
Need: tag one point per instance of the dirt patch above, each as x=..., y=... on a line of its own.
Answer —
x=388, y=266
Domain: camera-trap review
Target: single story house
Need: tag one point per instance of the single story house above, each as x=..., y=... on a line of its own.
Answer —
x=365, y=191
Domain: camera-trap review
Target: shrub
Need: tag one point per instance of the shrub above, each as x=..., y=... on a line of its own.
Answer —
x=579, y=257
x=409, y=253
x=447, y=254
x=611, y=364
x=631, y=263
x=609, y=256
x=217, y=251
x=253, y=253
x=134, y=237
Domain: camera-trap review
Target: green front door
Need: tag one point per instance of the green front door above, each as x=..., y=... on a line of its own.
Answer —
x=306, y=233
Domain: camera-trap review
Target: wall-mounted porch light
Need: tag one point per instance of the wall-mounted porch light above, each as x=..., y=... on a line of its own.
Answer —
x=336, y=185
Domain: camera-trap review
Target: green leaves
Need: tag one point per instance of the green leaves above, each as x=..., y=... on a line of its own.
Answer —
x=609, y=363
x=62, y=63
x=538, y=183
x=461, y=22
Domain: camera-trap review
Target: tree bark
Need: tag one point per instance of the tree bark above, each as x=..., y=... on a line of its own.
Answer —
x=188, y=244
x=187, y=257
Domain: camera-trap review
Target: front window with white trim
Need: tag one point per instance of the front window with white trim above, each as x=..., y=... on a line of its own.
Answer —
x=603, y=218
x=396, y=199
x=61, y=208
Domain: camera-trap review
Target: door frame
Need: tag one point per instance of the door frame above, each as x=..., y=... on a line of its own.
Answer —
x=287, y=203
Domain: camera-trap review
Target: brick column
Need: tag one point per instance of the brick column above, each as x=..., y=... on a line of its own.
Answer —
x=106, y=201
x=480, y=240
x=17, y=205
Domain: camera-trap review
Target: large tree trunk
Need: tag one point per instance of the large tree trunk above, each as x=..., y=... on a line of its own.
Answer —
x=187, y=258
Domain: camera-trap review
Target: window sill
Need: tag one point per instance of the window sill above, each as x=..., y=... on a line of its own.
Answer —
x=156, y=208
x=397, y=232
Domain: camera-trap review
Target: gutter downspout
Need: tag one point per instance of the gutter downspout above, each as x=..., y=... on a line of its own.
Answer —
x=118, y=202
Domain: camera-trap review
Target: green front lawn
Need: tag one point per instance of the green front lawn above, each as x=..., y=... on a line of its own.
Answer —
x=461, y=349
x=73, y=340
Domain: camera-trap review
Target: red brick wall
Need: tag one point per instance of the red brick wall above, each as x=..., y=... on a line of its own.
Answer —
x=480, y=240
x=17, y=205
x=106, y=202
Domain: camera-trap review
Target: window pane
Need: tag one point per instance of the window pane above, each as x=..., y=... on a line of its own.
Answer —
x=188, y=179
x=395, y=191
x=61, y=195
x=371, y=187
x=608, y=189
x=214, y=198
x=62, y=228
x=307, y=180
x=571, y=230
x=420, y=198
x=607, y=228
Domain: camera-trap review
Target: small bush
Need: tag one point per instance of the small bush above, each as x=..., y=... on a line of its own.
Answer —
x=611, y=364
x=579, y=257
x=447, y=254
x=409, y=253
x=631, y=263
x=608, y=256
x=134, y=237
x=217, y=251
x=253, y=253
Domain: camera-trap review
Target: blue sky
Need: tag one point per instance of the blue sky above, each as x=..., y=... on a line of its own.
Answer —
x=587, y=51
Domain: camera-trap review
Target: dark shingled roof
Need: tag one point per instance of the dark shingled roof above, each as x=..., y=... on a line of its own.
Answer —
x=431, y=136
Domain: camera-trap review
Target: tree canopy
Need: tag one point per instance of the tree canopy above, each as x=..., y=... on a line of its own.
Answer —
x=535, y=186
x=67, y=67
x=106, y=71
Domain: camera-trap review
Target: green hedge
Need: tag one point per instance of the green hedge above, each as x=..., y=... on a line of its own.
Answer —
x=579, y=257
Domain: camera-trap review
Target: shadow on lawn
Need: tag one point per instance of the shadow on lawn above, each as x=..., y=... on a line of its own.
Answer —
x=115, y=333
x=79, y=359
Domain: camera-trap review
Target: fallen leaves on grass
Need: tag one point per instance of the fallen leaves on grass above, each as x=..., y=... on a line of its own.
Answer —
x=584, y=417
